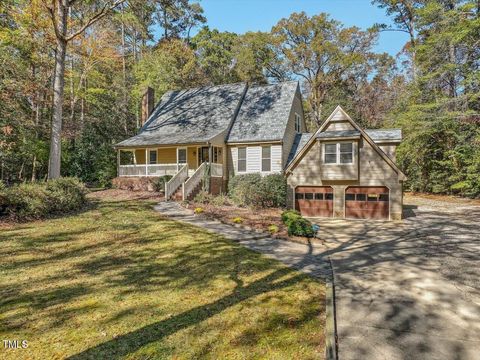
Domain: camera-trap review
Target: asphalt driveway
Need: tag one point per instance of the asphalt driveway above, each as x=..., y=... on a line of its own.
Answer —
x=408, y=290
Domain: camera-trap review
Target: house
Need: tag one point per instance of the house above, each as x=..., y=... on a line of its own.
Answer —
x=343, y=170
x=213, y=133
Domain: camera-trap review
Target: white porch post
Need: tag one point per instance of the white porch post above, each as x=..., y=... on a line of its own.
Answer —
x=146, y=162
x=118, y=162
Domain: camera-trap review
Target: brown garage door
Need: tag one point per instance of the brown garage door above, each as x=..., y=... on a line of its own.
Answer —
x=367, y=202
x=314, y=200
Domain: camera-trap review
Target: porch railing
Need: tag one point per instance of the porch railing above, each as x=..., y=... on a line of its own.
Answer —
x=194, y=180
x=148, y=170
x=175, y=182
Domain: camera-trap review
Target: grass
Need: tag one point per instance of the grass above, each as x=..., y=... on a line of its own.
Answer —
x=119, y=281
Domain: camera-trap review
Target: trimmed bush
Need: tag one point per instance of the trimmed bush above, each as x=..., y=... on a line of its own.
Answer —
x=296, y=224
x=257, y=191
x=287, y=214
x=39, y=200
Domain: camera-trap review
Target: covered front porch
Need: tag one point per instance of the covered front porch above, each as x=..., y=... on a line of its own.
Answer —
x=160, y=161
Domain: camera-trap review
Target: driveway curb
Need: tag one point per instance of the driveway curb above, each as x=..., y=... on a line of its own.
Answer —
x=331, y=351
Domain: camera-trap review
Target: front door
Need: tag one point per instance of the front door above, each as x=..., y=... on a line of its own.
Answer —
x=203, y=155
x=181, y=157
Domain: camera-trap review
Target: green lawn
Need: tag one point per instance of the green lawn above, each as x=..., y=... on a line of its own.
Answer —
x=119, y=281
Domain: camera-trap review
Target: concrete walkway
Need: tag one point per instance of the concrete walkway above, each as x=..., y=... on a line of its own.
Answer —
x=305, y=258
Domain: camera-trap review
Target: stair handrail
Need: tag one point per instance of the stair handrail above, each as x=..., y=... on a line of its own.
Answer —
x=194, y=180
x=174, y=183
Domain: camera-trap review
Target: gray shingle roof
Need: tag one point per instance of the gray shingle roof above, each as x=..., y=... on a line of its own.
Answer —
x=298, y=144
x=377, y=135
x=385, y=134
x=264, y=113
x=338, y=134
x=188, y=116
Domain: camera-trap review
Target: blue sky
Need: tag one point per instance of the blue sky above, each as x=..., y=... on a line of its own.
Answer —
x=240, y=16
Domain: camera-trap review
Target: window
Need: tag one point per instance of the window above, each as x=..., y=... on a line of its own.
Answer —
x=350, y=197
x=217, y=155
x=328, y=196
x=330, y=153
x=361, y=197
x=346, y=153
x=266, y=158
x=298, y=124
x=308, y=196
x=383, y=197
x=182, y=156
x=242, y=159
x=318, y=196
x=339, y=153
x=372, y=197
x=299, y=196
x=152, y=157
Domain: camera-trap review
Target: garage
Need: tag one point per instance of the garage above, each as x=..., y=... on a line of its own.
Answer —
x=314, y=200
x=363, y=202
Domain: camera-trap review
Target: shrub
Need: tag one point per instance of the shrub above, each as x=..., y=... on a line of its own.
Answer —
x=39, y=200
x=299, y=226
x=237, y=220
x=273, y=190
x=273, y=229
x=241, y=186
x=287, y=214
x=220, y=200
x=65, y=194
x=27, y=201
x=296, y=224
x=203, y=197
x=198, y=210
x=159, y=183
x=257, y=191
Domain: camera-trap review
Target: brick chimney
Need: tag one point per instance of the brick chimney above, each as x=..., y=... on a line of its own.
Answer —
x=147, y=104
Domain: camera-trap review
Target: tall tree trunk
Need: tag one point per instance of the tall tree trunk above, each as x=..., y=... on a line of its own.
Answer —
x=124, y=73
x=54, y=162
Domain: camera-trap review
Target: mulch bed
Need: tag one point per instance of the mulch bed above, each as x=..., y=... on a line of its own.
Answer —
x=258, y=219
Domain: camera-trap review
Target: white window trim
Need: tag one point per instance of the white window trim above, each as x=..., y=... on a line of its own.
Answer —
x=338, y=154
x=261, y=159
x=156, y=156
x=186, y=155
x=246, y=157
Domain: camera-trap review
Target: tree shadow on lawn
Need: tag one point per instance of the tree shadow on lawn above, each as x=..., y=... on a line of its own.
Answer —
x=131, y=259
x=128, y=343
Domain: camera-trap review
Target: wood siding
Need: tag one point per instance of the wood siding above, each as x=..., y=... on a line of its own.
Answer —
x=373, y=171
x=254, y=159
x=289, y=136
x=339, y=171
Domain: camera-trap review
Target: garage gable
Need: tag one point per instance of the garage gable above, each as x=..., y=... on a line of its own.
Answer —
x=340, y=123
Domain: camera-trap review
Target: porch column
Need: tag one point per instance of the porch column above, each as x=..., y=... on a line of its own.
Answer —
x=210, y=153
x=118, y=162
x=146, y=161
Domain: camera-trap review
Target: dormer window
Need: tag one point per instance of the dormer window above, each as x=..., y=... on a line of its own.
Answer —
x=298, y=123
x=338, y=153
